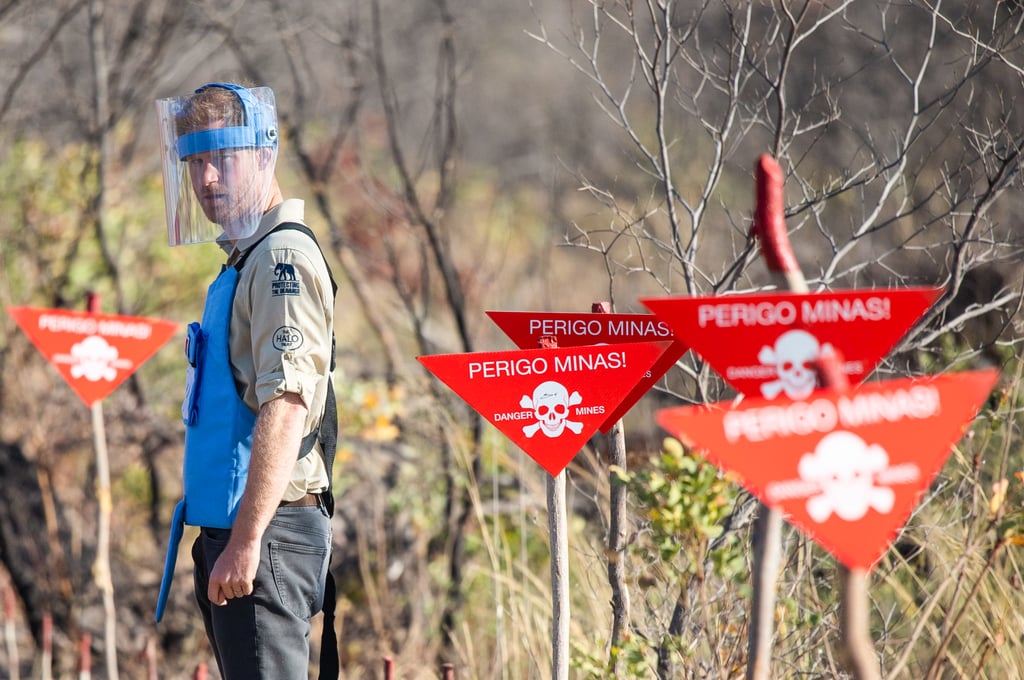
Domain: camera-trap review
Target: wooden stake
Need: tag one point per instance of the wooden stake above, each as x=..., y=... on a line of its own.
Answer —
x=854, y=619
x=101, y=566
x=770, y=228
x=46, y=662
x=616, y=552
x=558, y=528
x=85, y=657
x=10, y=636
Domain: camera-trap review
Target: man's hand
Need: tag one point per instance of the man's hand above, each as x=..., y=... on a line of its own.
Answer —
x=234, y=571
x=275, y=446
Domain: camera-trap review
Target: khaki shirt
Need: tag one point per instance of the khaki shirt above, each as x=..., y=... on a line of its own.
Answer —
x=281, y=328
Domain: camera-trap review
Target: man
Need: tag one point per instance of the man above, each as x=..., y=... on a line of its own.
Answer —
x=259, y=413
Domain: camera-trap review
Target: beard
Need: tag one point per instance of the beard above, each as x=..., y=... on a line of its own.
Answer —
x=237, y=212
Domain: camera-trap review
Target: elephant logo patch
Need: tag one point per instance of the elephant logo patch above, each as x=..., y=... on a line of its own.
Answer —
x=286, y=282
x=284, y=272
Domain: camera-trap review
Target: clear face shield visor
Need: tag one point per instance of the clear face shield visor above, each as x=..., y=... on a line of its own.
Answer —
x=219, y=150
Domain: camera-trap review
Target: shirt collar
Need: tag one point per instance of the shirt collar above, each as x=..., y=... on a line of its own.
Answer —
x=289, y=210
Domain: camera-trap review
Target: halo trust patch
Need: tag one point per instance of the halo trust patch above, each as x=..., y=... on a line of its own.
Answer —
x=287, y=338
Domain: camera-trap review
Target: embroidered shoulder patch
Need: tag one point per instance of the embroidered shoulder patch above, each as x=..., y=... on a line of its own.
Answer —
x=286, y=282
x=287, y=337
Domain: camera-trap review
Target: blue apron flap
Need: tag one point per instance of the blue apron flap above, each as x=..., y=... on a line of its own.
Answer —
x=177, y=531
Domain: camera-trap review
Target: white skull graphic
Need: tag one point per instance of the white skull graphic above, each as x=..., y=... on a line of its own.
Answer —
x=550, y=405
x=844, y=466
x=793, y=357
x=94, y=359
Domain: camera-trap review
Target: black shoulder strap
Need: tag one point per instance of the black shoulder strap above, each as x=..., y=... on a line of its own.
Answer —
x=285, y=226
x=327, y=435
x=327, y=432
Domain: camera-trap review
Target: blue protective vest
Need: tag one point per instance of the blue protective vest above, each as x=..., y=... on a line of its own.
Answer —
x=218, y=428
x=218, y=423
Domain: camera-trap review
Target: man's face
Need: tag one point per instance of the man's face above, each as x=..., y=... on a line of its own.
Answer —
x=228, y=183
x=219, y=150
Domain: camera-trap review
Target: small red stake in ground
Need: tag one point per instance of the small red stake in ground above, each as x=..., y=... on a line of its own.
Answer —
x=93, y=352
x=577, y=330
x=846, y=468
x=765, y=345
x=549, y=402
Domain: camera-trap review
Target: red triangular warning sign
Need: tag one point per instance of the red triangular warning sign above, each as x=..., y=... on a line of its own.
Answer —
x=765, y=345
x=578, y=329
x=846, y=468
x=93, y=352
x=549, y=402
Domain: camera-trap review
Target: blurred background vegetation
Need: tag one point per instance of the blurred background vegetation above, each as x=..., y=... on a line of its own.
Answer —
x=461, y=156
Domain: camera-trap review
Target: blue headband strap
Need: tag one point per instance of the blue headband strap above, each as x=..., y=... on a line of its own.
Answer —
x=255, y=132
x=215, y=139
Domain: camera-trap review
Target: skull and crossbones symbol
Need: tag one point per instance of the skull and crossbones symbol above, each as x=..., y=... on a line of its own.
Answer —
x=94, y=359
x=793, y=357
x=844, y=466
x=550, y=405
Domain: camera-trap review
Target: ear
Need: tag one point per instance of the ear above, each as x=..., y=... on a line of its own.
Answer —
x=265, y=158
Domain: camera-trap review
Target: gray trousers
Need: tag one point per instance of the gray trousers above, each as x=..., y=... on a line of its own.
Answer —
x=265, y=636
